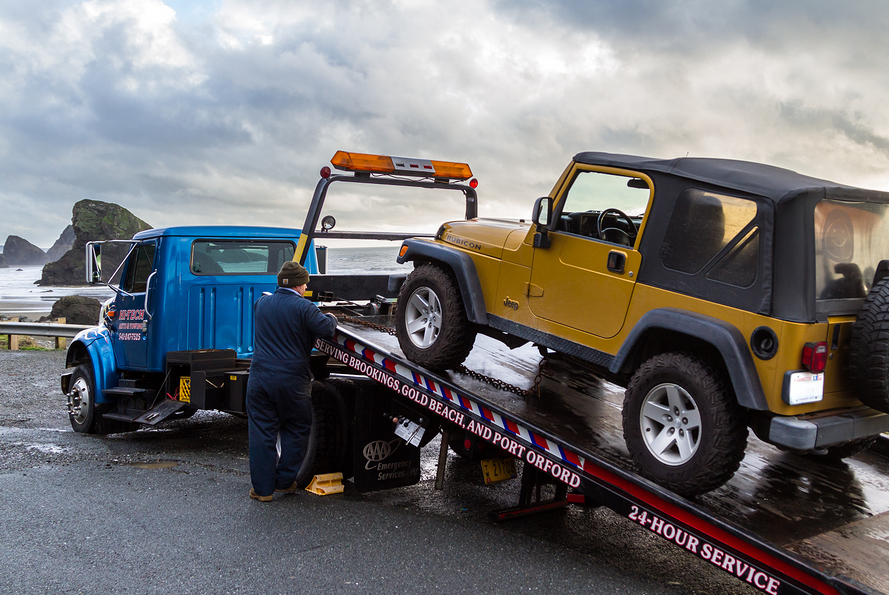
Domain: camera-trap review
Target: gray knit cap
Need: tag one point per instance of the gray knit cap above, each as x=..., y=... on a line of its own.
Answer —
x=292, y=274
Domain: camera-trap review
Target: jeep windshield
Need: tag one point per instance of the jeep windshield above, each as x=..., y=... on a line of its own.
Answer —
x=851, y=238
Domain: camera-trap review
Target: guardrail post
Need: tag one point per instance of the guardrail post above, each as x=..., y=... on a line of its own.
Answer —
x=12, y=341
x=61, y=342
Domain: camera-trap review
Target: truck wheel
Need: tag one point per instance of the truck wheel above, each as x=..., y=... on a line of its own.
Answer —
x=81, y=401
x=430, y=320
x=322, y=449
x=682, y=424
x=344, y=399
x=869, y=351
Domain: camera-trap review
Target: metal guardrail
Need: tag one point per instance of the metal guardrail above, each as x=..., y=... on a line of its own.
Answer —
x=39, y=329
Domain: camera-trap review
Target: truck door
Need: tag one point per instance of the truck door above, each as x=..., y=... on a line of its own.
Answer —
x=585, y=278
x=131, y=326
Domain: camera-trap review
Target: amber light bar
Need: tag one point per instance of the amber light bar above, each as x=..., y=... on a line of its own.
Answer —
x=384, y=164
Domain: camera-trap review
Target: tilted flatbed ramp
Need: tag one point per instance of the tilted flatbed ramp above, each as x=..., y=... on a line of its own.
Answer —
x=784, y=524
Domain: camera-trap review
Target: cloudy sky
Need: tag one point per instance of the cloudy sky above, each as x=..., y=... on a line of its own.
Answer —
x=224, y=111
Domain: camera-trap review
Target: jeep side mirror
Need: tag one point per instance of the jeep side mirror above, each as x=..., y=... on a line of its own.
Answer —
x=93, y=263
x=541, y=216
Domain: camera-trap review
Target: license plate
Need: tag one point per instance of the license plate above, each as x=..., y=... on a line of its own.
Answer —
x=805, y=387
x=496, y=470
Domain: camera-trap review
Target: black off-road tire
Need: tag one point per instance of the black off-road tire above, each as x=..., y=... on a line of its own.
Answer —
x=430, y=319
x=869, y=351
x=714, y=438
x=345, y=403
x=323, y=446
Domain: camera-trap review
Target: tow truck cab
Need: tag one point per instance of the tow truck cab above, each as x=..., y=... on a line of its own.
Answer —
x=182, y=293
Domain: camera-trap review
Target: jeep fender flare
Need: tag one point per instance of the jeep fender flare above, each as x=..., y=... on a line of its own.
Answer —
x=724, y=337
x=93, y=346
x=460, y=264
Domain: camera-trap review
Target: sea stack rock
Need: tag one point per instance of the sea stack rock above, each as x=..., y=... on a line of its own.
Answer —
x=92, y=220
x=20, y=252
x=62, y=245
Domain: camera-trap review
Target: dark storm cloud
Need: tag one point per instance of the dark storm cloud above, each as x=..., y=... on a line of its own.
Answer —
x=225, y=111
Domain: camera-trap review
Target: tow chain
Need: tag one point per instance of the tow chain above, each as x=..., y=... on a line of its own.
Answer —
x=543, y=370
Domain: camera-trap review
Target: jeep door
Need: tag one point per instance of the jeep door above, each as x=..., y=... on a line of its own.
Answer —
x=585, y=278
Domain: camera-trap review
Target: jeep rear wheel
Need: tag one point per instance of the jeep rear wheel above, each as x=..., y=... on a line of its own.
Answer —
x=430, y=320
x=869, y=352
x=682, y=424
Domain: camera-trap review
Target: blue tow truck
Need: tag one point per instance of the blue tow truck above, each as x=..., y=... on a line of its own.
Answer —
x=177, y=338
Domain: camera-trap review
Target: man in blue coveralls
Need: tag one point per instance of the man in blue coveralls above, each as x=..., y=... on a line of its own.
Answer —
x=280, y=383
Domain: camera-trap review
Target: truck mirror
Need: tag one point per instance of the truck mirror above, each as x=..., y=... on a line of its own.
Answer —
x=542, y=215
x=93, y=263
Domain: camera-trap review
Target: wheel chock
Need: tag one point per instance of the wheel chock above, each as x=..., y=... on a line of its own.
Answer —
x=326, y=484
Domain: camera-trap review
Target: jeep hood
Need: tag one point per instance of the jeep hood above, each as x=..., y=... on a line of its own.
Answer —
x=484, y=236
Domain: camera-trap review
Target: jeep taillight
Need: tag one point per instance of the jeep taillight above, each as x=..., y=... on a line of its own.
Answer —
x=815, y=356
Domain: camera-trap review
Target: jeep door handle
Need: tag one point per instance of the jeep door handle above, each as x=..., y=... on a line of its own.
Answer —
x=617, y=261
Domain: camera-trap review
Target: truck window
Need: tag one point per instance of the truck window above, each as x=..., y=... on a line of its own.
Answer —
x=702, y=224
x=140, y=265
x=223, y=257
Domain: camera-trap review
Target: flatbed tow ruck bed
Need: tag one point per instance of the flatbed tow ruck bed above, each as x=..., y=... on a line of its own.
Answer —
x=783, y=524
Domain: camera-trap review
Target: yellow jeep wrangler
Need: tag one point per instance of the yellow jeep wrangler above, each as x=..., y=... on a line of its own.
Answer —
x=722, y=294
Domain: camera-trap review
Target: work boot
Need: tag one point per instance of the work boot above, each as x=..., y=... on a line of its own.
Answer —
x=256, y=496
x=289, y=490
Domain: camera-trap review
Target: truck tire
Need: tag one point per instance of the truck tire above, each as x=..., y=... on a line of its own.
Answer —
x=682, y=424
x=82, y=408
x=321, y=451
x=869, y=350
x=430, y=319
x=344, y=398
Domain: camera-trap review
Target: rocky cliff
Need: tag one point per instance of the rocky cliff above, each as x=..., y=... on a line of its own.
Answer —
x=20, y=252
x=62, y=245
x=92, y=220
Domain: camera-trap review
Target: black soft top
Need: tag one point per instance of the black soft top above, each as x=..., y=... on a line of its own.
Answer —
x=772, y=182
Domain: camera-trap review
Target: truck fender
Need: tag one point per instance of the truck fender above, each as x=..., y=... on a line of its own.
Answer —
x=94, y=344
x=461, y=265
x=724, y=337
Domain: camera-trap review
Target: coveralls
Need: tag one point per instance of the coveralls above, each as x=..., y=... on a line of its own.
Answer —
x=279, y=386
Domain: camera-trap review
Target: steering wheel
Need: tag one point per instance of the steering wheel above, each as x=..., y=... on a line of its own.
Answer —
x=616, y=235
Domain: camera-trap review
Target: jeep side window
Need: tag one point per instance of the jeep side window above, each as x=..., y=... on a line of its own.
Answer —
x=593, y=192
x=139, y=268
x=702, y=225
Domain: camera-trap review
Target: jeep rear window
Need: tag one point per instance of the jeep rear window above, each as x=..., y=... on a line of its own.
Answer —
x=222, y=257
x=850, y=241
x=702, y=224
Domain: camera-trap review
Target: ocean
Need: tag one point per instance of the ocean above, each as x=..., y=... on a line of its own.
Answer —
x=19, y=296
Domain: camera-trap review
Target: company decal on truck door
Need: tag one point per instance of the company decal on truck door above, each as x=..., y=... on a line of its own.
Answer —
x=130, y=325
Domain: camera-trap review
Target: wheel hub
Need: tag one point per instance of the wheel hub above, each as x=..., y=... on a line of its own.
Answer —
x=78, y=400
x=671, y=424
x=423, y=317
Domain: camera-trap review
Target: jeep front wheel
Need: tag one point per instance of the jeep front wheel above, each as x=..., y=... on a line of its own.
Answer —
x=682, y=425
x=430, y=320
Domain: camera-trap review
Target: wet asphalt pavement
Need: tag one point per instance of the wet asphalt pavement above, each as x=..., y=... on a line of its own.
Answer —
x=165, y=510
